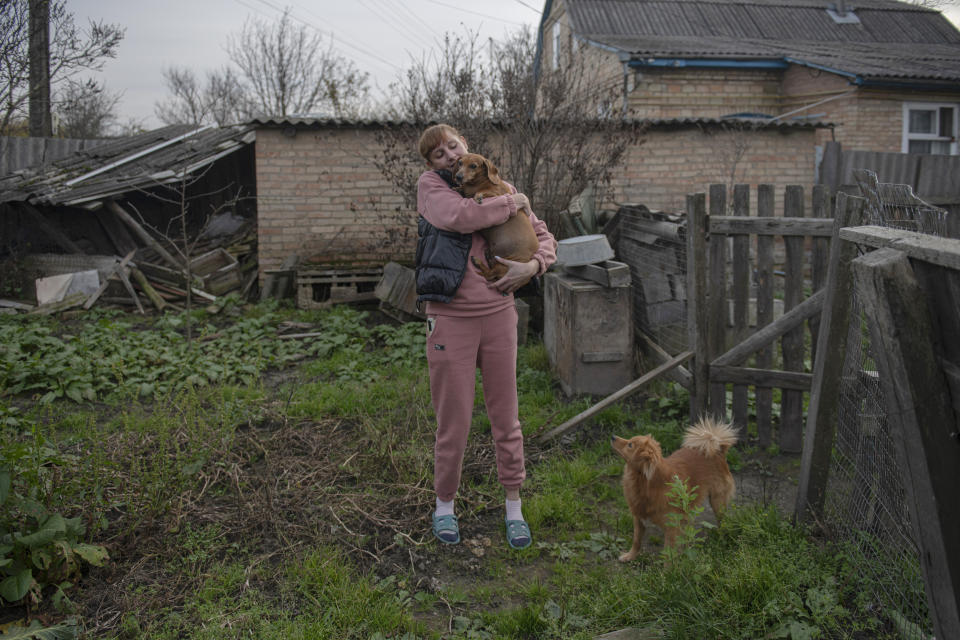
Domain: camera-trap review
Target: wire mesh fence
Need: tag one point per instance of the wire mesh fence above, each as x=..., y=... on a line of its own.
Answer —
x=654, y=245
x=865, y=508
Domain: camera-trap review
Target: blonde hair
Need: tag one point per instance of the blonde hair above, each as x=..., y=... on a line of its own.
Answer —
x=434, y=135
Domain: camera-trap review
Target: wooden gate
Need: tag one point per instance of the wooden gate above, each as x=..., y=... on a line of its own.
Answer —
x=754, y=284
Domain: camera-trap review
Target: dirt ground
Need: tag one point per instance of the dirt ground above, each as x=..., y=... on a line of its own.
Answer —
x=285, y=489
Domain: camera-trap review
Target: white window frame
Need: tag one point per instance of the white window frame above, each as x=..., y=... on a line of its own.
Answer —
x=927, y=106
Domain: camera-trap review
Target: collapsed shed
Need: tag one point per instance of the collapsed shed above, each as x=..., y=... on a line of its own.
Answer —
x=177, y=199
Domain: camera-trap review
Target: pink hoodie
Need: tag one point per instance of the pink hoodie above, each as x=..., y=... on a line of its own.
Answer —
x=446, y=209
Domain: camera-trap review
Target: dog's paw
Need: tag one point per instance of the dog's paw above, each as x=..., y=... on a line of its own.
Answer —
x=628, y=556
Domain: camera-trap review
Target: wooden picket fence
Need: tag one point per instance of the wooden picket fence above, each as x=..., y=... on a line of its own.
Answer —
x=740, y=267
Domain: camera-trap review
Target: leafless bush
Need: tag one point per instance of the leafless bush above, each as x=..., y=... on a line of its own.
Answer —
x=552, y=134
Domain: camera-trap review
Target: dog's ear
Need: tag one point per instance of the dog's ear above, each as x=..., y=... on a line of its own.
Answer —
x=492, y=172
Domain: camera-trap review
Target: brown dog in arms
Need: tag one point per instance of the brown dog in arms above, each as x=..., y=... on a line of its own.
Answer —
x=514, y=239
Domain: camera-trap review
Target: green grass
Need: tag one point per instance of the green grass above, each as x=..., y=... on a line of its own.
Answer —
x=239, y=507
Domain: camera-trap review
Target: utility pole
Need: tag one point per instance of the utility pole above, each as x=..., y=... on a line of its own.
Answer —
x=41, y=123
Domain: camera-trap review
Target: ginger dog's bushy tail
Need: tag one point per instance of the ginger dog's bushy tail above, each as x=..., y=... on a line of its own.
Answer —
x=710, y=436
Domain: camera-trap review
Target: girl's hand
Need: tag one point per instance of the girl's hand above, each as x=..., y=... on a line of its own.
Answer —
x=518, y=274
x=522, y=202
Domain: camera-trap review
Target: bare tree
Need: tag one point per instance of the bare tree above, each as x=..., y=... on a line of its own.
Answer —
x=72, y=50
x=85, y=110
x=220, y=101
x=286, y=70
x=549, y=133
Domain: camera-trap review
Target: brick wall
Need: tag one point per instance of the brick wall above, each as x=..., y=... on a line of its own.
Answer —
x=863, y=119
x=674, y=162
x=700, y=93
x=320, y=196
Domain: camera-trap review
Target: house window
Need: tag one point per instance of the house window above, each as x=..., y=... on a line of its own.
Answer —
x=556, y=45
x=930, y=127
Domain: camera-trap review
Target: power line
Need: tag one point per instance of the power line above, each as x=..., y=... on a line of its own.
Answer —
x=528, y=6
x=332, y=36
x=380, y=15
x=482, y=15
x=408, y=17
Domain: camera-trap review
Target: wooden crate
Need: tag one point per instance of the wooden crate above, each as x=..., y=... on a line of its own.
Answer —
x=321, y=288
x=398, y=293
x=218, y=270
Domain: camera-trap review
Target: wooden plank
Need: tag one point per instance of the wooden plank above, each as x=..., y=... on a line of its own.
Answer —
x=819, y=257
x=830, y=166
x=921, y=419
x=697, y=310
x=122, y=274
x=116, y=231
x=628, y=390
x=279, y=286
x=743, y=376
x=608, y=273
x=148, y=289
x=822, y=413
x=952, y=374
x=183, y=294
x=106, y=281
x=785, y=323
x=636, y=227
x=717, y=299
x=679, y=374
x=73, y=300
x=741, y=297
x=765, y=287
x=944, y=252
x=791, y=406
x=13, y=304
x=943, y=289
x=789, y=225
x=141, y=233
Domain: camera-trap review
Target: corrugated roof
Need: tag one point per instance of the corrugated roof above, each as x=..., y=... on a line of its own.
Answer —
x=800, y=32
x=125, y=164
x=18, y=153
x=325, y=122
x=335, y=123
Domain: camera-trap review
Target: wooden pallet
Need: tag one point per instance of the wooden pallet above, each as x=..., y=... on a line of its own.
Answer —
x=321, y=288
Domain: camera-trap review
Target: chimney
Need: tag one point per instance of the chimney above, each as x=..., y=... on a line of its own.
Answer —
x=841, y=13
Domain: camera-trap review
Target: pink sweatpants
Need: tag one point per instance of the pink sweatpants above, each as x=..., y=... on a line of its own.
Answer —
x=456, y=346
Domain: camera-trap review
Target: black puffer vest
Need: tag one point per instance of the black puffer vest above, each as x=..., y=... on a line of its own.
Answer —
x=441, y=259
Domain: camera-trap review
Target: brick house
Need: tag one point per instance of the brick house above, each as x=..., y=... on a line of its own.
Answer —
x=884, y=74
x=878, y=75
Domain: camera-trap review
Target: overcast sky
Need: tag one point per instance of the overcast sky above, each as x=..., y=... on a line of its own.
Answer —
x=382, y=37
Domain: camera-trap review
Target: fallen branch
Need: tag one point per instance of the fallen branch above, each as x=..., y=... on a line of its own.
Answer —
x=631, y=388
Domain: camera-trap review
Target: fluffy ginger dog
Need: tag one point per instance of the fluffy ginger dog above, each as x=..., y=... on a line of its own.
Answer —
x=701, y=463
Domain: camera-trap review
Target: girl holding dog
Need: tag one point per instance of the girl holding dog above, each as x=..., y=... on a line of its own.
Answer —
x=471, y=323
